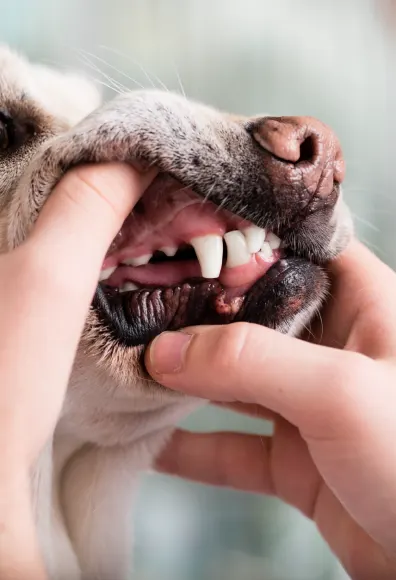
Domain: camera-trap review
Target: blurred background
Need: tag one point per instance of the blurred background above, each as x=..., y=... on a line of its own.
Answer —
x=326, y=58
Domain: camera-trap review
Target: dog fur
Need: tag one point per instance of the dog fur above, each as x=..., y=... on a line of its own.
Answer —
x=115, y=420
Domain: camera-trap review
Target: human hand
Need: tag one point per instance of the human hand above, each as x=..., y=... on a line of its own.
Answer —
x=332, y=401
x=47, y=287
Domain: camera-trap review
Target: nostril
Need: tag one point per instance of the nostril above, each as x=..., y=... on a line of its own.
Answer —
x=307, y=150
x=304, y=142
x=285, y=140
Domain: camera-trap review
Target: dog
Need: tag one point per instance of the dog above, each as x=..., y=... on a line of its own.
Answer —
x=237, y=226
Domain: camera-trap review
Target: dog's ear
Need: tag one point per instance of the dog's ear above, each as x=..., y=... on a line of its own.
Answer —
x=65, y=94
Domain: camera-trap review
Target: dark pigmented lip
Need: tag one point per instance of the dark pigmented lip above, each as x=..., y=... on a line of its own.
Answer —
x=134, y=318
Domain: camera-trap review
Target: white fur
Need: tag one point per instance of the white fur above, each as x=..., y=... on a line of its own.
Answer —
x=114, y=421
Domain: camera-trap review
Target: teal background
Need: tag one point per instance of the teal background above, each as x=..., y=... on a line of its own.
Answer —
x=327, y=58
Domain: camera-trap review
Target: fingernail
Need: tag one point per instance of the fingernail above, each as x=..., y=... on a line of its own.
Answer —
x=167, y=352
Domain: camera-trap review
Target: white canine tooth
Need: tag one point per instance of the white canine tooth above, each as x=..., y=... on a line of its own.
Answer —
x=237, y=250
x=266, y=251
x=139, y=261
x=106, y=273
x=255, y=237
x=169, y=251
x=209, y=250
x=273, y=241
x=128, y=286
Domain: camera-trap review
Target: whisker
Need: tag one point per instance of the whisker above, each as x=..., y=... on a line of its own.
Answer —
x=373, y=246
x=117, y=85
x=125, y=56
x=207, y=196
x=108, y=86
x=221, y=204
x=102, y=60
x=179, y=79
x=321, y=325
x=366, y=222
x=308, y=330
x=140, y=66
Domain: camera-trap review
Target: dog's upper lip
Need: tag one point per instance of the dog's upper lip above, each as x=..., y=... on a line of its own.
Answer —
x=169, y=214
x=170, y=217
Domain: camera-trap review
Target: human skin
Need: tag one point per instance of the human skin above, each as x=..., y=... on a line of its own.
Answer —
x=333, y=403
x=46, y=290
x=332, y=399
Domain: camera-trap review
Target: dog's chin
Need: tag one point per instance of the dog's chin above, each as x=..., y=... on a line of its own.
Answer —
x=153, y=272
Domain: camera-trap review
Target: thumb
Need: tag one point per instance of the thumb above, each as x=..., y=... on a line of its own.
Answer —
x=305, y=383
x=83, y=215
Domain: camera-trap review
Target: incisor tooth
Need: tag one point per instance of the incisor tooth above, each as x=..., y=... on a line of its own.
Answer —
x=209, y=250
x=106, y=273
x=273, y=241
x=266, y=251
x=128, y=286
x=169, y=251
x=139, y=261
x=237, y=250
x=255, y=237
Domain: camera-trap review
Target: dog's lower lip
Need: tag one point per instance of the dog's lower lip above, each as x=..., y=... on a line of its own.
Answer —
x=172, y=294
x=138, y=316
x=135, y=318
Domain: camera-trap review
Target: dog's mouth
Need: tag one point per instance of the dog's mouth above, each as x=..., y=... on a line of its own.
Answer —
x=181, y=260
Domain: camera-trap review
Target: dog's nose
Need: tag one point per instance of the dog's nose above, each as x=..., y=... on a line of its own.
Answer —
x=305, y=157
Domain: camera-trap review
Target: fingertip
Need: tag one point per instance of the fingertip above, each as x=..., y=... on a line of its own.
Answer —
x=86, y=210
x=100, y=195
x=197, y=360
x=166, y=353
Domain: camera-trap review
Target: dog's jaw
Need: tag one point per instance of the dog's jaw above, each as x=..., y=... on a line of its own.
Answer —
x=115, y=420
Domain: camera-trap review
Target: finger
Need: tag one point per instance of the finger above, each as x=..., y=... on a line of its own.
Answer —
x=282, y=468
x=83, y=215
x=305, y=383
x=361, y=298
x=279, y=465
x=224, y=459
x=49, y=281
x=64, y=253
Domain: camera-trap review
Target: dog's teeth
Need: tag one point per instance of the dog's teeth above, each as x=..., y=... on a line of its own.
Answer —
x=237, y=250
x=255, y=237
x=209, y=250
x=266, y=251
x=106, y=273
x=140, y=261
x=128, y=287
x=273, y=241
x=169, y=251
